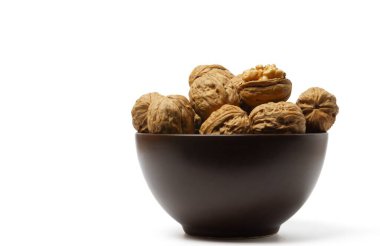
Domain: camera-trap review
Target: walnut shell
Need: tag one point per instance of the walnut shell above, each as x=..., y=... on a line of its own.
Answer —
x=320, y=109
x=208, y=94
x=227, y=120
x=140, y=111
x=254, y=93
x=232, y=93
x=187, y=113
x=219, y=71
x=171, y=114
x=237, y=81
x=281, y=117
x=263, y=84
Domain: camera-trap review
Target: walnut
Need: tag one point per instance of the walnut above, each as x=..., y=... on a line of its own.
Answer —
x=187, y=113
x=281, y=117
x=219, y=71
x=227, y=120
x=264, y=84
x=232, y=93
x=320, y=109
x=237, y=81
x=140, y=111
x=172, y=114
x=261, y=73
x=208, y=94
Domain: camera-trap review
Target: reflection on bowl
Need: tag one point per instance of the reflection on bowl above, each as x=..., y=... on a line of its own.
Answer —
x=231, y=186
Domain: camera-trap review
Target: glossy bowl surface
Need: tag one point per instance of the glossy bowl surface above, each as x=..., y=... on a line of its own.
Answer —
x=231, y=186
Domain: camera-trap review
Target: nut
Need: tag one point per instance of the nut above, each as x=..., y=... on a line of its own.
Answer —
x=264, y=84
x=219, y=71
x=187, y=113
x=281, y=117
x=320, y=109
x=208, y=94
x=232, y=93
x=227, y=120
x=172, y=114
x=140, y=111
x=237, y=81
x=261, y=73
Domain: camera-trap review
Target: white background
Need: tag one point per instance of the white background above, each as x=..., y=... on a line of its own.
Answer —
x=70, y=72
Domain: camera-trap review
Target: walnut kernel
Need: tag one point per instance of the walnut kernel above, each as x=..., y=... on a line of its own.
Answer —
x=261, y=72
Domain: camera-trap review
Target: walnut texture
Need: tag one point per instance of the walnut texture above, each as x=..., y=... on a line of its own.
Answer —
x=264, y=84
x=208, y=94
x=219, y=71
x=237, y=81
x=172, y=114
x=187, y=113
x=228, y=119
x=261, y=73
x=140, y=111
x=320, y=109
x=281, y=117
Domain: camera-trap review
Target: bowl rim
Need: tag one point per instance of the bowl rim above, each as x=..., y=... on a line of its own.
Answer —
x=230, y=136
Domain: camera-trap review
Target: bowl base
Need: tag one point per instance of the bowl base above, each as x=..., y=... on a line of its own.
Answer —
x=228, y=233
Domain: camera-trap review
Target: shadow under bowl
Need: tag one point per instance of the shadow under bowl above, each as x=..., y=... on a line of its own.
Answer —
x=231, y=186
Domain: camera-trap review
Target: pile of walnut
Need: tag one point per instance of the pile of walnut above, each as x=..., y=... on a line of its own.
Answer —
x=253, y=102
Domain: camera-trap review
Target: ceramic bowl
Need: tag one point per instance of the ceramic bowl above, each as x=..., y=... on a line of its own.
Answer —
x=231, y=186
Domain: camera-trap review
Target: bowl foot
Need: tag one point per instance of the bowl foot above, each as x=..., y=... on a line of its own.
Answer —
x=230, y=233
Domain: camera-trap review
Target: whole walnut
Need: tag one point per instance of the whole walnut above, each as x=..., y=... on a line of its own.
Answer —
x=281, y=117
x=208, y=94
x=219, y=71
x=188, y=117
x=227, y=120
x=140, y=111
x=320, y=109
x=264, y=84
x=171, y=114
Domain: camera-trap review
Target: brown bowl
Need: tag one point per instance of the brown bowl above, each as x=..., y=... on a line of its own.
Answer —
x=231, y=186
